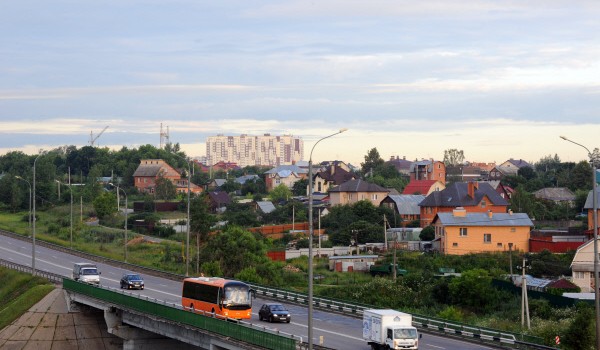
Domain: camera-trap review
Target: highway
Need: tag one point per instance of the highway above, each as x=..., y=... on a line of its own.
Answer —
x=334, y=330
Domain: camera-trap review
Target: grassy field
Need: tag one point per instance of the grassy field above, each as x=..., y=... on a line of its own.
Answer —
x=19, y=292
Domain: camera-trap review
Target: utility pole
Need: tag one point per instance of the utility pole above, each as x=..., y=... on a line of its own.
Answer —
x=385, y=245
x=524, y=300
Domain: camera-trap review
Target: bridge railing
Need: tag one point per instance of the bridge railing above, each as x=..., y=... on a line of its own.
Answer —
x=423, y=323
x=174, y=314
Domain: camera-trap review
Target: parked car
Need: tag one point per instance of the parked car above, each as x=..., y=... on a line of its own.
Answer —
x=132, y=281
x=274, y=312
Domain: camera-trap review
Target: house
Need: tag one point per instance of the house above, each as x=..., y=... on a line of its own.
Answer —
x=224, y=166
x=284, y=174
x=336, y=163
x=461, y=232
x=556, y=195
x=504, y=191
x=582, y=267
x=215, y=184
x=589, y=205
x=510, y=167
x=330, y=177
x=472, y=196
x=218, y=201
x=402, y=165
x=150, y=170
x=428, y=170
x=405, y=205
x=424, y=187
x=356, y=190
x=245, y=178
x=350, y=263
x=463, y=173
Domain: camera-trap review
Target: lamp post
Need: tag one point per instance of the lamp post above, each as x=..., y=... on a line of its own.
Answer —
x=593, y=160
x=29, y=214
x=310, y=244
x=187, y=244
x=33, y=219
x=125, y=194
x=71, y=214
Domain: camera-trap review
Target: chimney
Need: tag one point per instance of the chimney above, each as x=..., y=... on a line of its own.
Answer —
x=510, y=212
x=332, y=169
x=490, y=214
x=459, y=212
x=471, y=189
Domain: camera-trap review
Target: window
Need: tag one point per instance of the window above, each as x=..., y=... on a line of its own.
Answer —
x=463, y=231
x=483, y=204
x=513, y=229
x=487, y=238
x=374, y=197
x=499, y=245
x=455, y=244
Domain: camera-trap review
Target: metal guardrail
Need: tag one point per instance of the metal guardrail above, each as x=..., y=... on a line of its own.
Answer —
x=423, y=323
x=52, y=277
x=177, y=315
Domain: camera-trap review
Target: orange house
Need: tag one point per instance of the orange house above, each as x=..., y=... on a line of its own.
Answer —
x=473, y=196
x=462, y=233
x=150, y=170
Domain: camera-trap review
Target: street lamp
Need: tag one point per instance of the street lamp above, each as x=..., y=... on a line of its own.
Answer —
x=29, y=214
x=187, y=254
x=126, y=210
x=310, y=234
x=593, y=160
x=71, y=191
x=34, y=220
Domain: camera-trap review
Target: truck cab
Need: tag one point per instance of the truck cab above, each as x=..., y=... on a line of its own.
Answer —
x=402, y=338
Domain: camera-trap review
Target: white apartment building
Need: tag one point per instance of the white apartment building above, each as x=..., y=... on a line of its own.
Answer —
x=246, y=150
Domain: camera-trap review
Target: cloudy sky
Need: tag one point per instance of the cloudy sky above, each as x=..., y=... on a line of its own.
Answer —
x=496, y=79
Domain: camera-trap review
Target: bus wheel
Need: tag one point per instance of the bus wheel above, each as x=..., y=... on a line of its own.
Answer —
x=213, y=312
x=192, y=308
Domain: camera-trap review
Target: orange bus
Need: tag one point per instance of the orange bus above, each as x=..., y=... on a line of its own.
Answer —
x=217, y=295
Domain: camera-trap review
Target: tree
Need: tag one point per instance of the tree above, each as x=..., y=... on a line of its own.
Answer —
x=474, y=290
x=427, y=234
x=453, y=157
x=280, y=193
x=201, y=221
x=580, y=335
x=164, y=188
x=372, y=161
x=300, y=187
x=105, y=204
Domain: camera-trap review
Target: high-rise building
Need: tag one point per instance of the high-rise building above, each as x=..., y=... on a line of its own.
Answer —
x=248, y=150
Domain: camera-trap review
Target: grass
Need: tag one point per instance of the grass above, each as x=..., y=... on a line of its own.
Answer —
x=18, y=293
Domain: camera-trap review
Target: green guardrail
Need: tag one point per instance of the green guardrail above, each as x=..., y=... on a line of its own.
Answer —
x=222, y=327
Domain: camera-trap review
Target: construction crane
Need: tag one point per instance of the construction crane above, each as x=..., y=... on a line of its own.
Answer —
x=93, y=139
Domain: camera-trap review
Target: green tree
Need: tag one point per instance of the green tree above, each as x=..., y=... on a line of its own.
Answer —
x=165, y=189
x=372, y=161
x=280, y=193
x=474, y=290
x=201, y=221
x=427, y=234
x=300, y=187
x=105, y=204
x=580, y=335
x=453, y=157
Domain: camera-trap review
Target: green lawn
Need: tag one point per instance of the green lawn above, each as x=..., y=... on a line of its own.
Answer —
x=19, y=292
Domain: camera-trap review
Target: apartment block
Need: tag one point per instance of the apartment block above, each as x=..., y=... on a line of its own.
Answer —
x=247, y=150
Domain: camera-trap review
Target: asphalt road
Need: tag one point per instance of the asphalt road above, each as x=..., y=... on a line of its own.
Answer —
x=330, y=329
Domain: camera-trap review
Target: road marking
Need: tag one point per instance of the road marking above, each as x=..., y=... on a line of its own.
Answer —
x=101, y=278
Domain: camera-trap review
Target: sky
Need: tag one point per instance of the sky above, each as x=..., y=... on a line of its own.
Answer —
x=495, y=79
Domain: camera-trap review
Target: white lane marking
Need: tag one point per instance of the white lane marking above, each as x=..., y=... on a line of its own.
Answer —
x=55, y=257
x=328, y=331
x=101, y=278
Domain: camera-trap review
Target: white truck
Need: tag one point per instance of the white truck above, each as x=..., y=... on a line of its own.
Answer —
x=389, y=329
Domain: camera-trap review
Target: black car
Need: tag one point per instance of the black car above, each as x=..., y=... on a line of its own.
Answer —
x=132, y=281
x=274, y=312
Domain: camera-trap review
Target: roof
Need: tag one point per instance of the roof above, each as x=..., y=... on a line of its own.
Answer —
x=519, y=163
x=265, y=206
x=457, y=195
x=419, y=186
x=484, y=219
x=339, y=175
x=358, y=186
x=345, y=257
x=407, y=204
x=219, y=182
x=242, y=179
x=589, y=202
x=219, y=197
x=555, y=194
x=287, y=170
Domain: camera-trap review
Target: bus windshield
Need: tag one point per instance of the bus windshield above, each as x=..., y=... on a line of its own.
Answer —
x=236, y=296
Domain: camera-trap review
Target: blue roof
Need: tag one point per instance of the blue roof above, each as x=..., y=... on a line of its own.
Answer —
x=483, y=219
